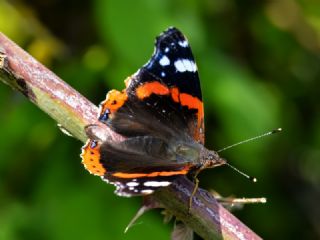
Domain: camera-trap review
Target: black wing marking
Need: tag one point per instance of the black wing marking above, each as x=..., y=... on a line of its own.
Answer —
x=173, y=63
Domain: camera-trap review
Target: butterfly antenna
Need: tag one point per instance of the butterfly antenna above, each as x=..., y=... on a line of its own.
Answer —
x=253, y=179
x=251, y=139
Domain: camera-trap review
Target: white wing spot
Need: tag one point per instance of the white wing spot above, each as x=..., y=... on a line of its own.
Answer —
x=185, y=65
x=166, y=50
x=156, y=184
x=164, y=61
x=132, y=184
x=147, y=191
x=163, y=74
x=183, y=43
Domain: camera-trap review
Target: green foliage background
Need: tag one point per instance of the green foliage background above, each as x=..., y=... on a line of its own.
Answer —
x=259, y=67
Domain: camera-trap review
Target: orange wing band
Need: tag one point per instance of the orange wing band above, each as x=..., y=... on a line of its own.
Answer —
x=149, y=88
x=91, y=158
x=183, y=171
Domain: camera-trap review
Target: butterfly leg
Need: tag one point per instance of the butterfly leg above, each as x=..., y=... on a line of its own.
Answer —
x=196, y=181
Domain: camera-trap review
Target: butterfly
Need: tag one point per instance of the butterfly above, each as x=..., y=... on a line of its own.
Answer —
x=160, y=113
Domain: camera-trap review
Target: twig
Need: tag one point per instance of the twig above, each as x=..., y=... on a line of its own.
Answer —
x=73, y=111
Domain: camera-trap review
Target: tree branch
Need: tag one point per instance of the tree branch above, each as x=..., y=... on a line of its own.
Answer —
x=73, y=111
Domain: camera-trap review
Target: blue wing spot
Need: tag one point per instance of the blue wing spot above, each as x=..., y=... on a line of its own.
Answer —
x=104, y=116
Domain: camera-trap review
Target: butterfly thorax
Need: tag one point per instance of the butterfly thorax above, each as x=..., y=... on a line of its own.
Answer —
x=197, y=155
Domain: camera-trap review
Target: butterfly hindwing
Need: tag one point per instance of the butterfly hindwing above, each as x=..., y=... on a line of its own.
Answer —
x=136, y=166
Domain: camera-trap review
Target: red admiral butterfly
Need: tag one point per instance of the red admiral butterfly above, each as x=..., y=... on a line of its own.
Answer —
x=160, y=112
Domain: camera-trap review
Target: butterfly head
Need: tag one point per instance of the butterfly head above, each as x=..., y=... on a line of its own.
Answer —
x=211, y=159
